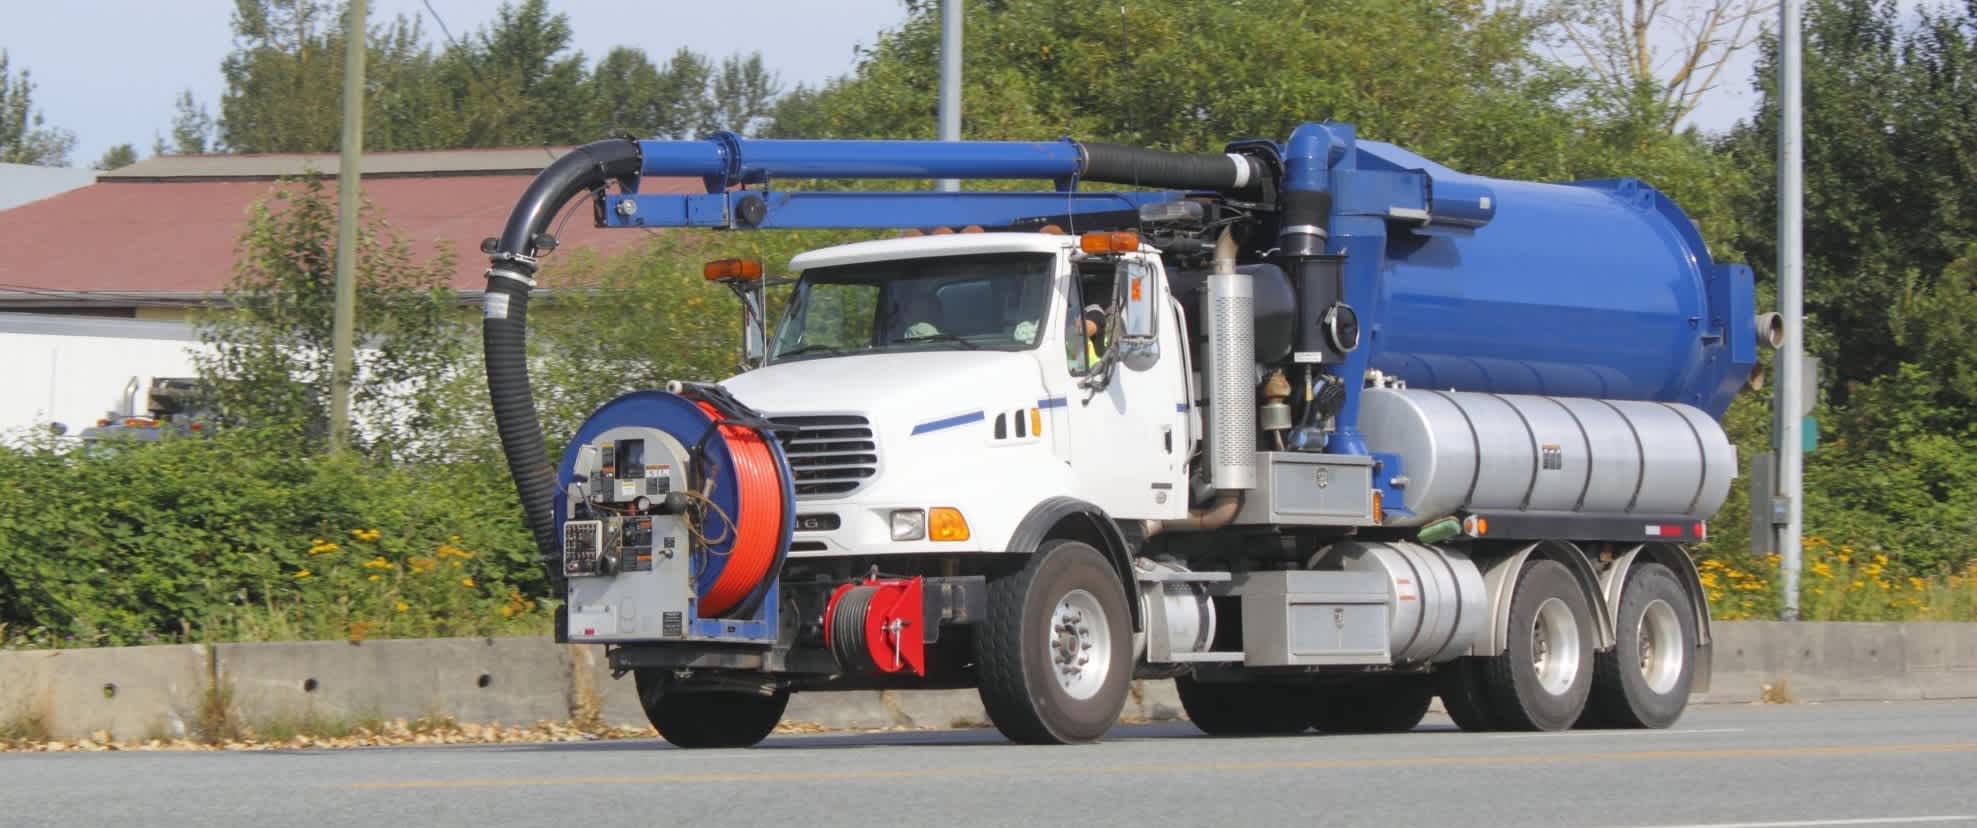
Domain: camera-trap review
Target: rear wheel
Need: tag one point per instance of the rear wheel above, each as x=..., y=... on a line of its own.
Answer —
x=1380, y=708
x=1644, y=681
x=1054, y=657
x=1542, y=678
x=1245, y=708
x=708, y=719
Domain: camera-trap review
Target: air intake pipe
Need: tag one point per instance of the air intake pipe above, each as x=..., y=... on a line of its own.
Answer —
x=504, y=326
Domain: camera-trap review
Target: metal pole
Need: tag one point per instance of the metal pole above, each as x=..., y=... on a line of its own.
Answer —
x=1790, y=423
x=347, y=195
x=950, y=81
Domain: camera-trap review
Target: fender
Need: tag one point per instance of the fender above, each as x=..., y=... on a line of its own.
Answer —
x=1501, y=580
x=1678, y=561
x=1067, y=517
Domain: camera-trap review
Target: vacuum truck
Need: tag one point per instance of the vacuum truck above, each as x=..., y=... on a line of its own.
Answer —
x=1317, y=428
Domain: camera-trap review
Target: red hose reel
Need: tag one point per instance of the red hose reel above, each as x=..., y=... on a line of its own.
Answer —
x=877, y=626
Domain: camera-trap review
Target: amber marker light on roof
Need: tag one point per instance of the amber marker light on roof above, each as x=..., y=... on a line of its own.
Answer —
x=1100, y=242
x=720, y=269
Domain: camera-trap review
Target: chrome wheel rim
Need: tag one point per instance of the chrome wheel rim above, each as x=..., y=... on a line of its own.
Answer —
x=1080, y=644
x=1555, y=647
x=1662, y=655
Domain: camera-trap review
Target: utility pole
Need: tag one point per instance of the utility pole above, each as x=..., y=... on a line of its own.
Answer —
x=950, y=81
x=1790, y=423
x=348, y=188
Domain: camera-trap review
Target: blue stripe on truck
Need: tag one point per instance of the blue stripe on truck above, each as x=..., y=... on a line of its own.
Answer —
x=950, y=422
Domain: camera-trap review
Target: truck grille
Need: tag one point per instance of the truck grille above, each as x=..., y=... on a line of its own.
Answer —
x=830, y=454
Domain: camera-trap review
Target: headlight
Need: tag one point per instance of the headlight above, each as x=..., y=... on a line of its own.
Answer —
x=909, y=524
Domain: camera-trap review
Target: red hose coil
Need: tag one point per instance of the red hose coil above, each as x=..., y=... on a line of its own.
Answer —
x=758, y=518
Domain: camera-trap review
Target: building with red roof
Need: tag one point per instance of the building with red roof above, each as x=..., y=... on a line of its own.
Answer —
x=157, y=237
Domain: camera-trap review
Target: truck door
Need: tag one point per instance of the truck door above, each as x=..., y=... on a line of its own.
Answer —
x=1128, y=416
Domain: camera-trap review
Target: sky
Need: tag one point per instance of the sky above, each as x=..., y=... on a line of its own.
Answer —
x=110, y=70
x=118, y=84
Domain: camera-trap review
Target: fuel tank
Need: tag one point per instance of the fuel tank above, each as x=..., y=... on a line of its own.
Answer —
x=1597, y=289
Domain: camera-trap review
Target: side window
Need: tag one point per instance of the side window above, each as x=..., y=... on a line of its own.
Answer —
x=1078, y=348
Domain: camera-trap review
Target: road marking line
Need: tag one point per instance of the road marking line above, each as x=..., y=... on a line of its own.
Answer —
x=1628, y=734
x=1823, y=823
x=1186, y=768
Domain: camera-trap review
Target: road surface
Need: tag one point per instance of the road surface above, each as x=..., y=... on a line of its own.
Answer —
x=1795, y=766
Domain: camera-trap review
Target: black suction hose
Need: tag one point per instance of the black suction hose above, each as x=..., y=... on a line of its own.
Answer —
x=504, y=327
x=1114, y=164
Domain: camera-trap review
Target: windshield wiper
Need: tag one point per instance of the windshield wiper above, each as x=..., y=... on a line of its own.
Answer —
x=811, y=349
x=943, y=337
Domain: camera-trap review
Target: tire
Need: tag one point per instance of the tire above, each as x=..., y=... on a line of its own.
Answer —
x=712, y=719
x=1032, y=682
x=1245, y=708
x=1549, y=620
x=1385, y=708
x=1464, y=695
x=1644, y=681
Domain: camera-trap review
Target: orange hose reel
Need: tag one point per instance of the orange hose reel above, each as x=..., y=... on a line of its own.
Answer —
x=757, y=522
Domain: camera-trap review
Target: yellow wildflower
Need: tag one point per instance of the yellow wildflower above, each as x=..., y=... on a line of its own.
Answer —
x=508, y=611
x=402, y=606
x=366, y=535
x=301, y=574
x=467, y=582
x=377, y=578
x=377, y=562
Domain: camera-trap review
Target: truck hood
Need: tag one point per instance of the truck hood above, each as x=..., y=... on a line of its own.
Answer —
x=892, y=385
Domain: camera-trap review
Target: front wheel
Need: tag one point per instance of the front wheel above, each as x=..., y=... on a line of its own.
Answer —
x=708, y=719
x=1054, y=656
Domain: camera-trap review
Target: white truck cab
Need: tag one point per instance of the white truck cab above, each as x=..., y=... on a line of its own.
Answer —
x=954, y=372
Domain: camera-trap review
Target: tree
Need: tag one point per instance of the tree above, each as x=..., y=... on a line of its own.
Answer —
x=269, y=366
x=121, y=155
x=1890, y=270
x=285, y=82
x=24, y=137
x=1458, y=82
x=686, y=99
x=1615, y=40
x=741, y=94
x=192, y=129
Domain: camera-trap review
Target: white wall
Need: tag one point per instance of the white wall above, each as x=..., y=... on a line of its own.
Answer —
x=73, y=370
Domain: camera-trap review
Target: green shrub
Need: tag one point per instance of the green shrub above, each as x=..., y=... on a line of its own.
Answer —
x=212, y=537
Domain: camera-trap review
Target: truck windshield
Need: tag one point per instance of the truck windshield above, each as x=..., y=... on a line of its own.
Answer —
x=986, y=302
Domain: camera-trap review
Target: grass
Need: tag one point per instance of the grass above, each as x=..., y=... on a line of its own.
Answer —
x=23, y=728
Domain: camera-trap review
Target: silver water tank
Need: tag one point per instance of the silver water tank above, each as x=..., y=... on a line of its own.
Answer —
x=1477, y=452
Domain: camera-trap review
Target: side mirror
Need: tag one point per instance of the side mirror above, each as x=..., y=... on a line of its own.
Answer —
x=1137, y=297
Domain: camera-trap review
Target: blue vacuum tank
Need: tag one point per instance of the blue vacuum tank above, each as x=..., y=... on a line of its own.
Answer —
x=1600, y=289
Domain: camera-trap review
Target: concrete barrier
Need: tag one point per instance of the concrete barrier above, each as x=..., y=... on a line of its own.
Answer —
x=132, y=692
x=142, y=692
x=507, y=680
x=1843, y=661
